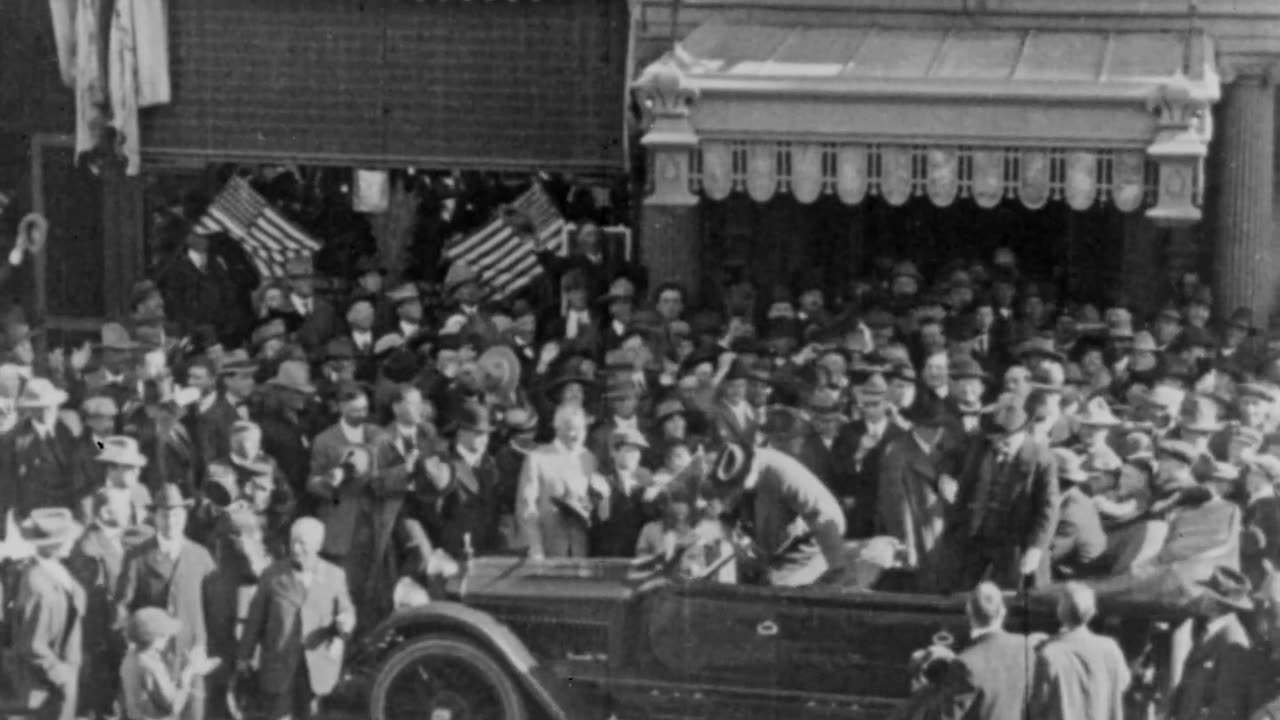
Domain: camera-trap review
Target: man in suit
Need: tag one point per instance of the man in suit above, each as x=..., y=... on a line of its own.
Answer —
x=1220, y=677
x=627, y=509
x=460, y=496
x=1011, y=496
x=991, y=679
x=559, y=490
x=199, y=290
x=99, y=414
x=49, y=609
x=1079, y=674
x=733, y=418
x=173, y=454
x=462, y=284
x=216, y=413
x=619, y=304
x=820, y=449
x=796, y=523
x=299, y=620
x=575, y=327
x=38, y=455
x=318, y=320
x=1079, y=540
x=342, y=469
x=624, y=401
x=95, y=562
x=860, y=446
x=171, y=572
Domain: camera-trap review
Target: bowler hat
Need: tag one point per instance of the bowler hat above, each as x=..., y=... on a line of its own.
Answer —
x=340, y=348
x=1040, y=347
x=403, y=293
x=169, y=497
x=100, y=406
x=269, y=330
x=619, y=289
x=668, y=408
x=966, y=368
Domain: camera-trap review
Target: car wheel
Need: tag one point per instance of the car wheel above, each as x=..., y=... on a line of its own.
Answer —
x=443, y=677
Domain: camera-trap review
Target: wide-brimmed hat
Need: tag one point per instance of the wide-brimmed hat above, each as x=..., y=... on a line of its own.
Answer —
x=628, y=436
x=150, y=625
x=170, y=496
x=1119, y=324
x=50, y=527
x=1097, y=413
x=1040, y=347
x=501, y=368
x=120, y=450
x=733, y=463
x=1070, y=465
x=1228, y=587
x=571, y=372
x=473, y=416
x=293, y=375
x=114, y=336
x=41, y=393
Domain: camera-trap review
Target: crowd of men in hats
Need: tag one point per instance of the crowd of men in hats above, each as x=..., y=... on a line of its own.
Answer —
x=291, y=470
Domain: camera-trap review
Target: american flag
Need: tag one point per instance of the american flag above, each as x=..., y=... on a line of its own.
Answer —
x=265, y=234
x=505, y=261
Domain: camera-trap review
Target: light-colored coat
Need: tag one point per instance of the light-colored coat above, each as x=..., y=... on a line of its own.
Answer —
x=292, y=623
x=1080, y=675
x=47, y=641
x=543, y=479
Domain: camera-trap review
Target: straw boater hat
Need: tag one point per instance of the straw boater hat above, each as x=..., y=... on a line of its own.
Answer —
x=121, y=450
x=40, y=393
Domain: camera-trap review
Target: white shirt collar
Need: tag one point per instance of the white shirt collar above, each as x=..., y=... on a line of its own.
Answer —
x=876, y=428
x=619, y=327
x=472, y=459
x=172, y=548
x=43, y=430
x=975, y=633
x=1218, y=624
x=353, y=435
x=200, y=260
x=362, y=337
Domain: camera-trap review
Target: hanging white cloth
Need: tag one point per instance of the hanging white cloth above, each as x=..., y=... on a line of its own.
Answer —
x=63, y=13
x=372, y=192
x=90, y=82
x=122, y=73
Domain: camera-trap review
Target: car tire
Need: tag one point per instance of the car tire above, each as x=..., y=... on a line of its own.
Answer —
x=500, y=689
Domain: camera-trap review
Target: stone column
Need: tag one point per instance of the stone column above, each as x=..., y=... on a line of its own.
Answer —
x=670, y=235
x=1243, y=251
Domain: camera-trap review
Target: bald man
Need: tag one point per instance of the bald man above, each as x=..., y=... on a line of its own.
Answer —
x=302, y=597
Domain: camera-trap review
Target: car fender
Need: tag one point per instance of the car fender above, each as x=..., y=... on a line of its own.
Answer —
x=548, y=692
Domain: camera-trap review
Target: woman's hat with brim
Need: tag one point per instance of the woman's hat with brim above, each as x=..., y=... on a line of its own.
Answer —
x=50, y=527
x=120, y=450
x=1201, y=414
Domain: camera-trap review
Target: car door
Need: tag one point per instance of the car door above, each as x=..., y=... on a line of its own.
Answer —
x=856, y=645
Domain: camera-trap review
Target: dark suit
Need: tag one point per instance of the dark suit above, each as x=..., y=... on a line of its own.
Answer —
x=89, y=474
x=173, y=459
x=627, y=513
x=820, y=459
x=47, y=642
x=212, y=428
x=1219, y=678
x=149, y=578
x=991, y=679
x=96, y=562
x=728, y=428
x=858, y=478
x=294, y=627
x=467, y=505
x=1012, y=506
x=588, y=339
x=285, y=440
x=599, y=442
x=1079, y=540
x=317, y=327
x=37, y=471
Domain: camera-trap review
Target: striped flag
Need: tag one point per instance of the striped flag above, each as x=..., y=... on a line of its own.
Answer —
x=505, y=261
x=265, y=234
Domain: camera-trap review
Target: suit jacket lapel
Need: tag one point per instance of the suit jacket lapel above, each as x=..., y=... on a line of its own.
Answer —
x=466, y=478
x=292, y=589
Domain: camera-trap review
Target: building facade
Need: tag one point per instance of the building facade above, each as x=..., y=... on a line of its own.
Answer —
x=1115, y=144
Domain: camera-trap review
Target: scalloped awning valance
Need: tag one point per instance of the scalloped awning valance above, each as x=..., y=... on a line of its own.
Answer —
x=1039, y=115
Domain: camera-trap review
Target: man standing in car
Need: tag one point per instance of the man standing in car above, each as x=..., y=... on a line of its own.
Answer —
x=796, y=522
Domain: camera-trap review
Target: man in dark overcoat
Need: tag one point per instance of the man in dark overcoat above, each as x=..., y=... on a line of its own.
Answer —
x=171, y=572
x=991, y=679
x=624, y=513
x=38, y=455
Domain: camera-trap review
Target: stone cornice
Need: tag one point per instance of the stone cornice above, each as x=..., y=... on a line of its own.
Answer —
x=1259, y=68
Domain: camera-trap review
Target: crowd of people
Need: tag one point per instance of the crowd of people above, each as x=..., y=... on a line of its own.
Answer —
x=197, y=486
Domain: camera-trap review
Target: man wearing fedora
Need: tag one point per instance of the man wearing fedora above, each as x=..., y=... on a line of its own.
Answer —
x=623, y=399
x=286, y=436
x=214, y=417
x=463, y=286
x=38, y=455
x=50, y=610
x=1010, y=501
x=1078, y=540
x=171, y=572
x=628, y=508
x=795, y=522
x=317, y=320
x=559, y=490
x=199, y=290
x=916, y=492
x=1220, y=674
